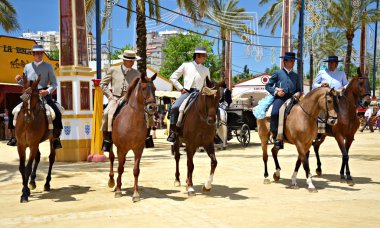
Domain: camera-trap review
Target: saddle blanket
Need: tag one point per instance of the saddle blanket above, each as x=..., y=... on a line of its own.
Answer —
x=48, y=110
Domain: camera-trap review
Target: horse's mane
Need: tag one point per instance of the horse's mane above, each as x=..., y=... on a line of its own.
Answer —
x=131, y=87
x=315, y=90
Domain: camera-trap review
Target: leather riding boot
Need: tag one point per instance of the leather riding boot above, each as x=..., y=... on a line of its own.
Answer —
x=107, y=141
x=12, y=141
x=217, y=140
x=173, y=133
x=56, y=141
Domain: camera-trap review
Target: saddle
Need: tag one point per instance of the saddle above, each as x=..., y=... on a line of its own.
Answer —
x=49, y=111
x=283, y=113
x=186, y=104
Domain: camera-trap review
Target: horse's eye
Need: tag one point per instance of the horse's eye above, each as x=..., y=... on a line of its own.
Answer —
x=329, y=101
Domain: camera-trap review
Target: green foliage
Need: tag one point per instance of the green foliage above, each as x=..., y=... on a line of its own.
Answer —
x=118, y=51
x=272, y=69
x=8, y=17
x=54, y=54
x=179, y=49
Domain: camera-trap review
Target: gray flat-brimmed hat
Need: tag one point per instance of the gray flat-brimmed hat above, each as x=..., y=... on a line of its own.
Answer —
x=332, y=58
x=200, y=50
x=37, y=47
x=129, y=55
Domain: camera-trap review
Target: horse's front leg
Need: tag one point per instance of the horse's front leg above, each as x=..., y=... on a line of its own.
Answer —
x=343, y=150
x=303, y=156
x=294, y=176
x=120, y=170
x=210, y=149
x=136, y=173
x=32, y=183
x=190, y=168
x=348, y=143
x=51, y=162
x=276, y=175
x=316, y=144
x=25, y=189
x=111, y=181
x=177, y=156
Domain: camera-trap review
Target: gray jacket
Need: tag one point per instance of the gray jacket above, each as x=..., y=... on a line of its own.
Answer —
x=48, y=78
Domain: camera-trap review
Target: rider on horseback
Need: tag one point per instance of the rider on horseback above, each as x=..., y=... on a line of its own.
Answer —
x=283, y=85
x=331, y=77
x=195, y=75
x=119, y=77
x=46, y=86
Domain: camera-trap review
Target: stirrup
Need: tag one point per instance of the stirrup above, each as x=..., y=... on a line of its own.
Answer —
x=12, y=142
x=106, y=147
x=279, y=144
x=172, y=137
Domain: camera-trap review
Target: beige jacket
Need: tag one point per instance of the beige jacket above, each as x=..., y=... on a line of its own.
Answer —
x=119, y=83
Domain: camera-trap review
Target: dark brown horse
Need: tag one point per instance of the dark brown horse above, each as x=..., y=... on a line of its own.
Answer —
x=300, y=129
x=348, y=122
x=130, y=129
x=31, y=129
x=198, y=130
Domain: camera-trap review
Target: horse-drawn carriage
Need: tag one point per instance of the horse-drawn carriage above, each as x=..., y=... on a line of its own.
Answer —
x=240, y=119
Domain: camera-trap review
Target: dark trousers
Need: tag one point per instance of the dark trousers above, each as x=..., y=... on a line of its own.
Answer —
x=174, y=112
x=57, y=122
x=277, y=103
x=10, y=118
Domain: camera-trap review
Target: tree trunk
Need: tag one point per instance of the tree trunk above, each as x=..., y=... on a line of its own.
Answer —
x=299, y=64
x=141, y=38
x=311, y=67
x=350, y=38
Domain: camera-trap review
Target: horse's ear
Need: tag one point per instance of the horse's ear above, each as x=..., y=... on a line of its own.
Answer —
x=154, y=76
x=142, y=77
x=359, y=72
x=36, y=82
x=25, y=80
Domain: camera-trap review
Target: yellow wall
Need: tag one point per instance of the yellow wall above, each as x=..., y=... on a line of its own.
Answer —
x=14, y=54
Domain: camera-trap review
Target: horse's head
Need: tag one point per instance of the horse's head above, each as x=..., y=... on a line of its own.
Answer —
x=361, y=88
x=208, y=102
x=148, y=91
x=30, y=95
x=330, y=105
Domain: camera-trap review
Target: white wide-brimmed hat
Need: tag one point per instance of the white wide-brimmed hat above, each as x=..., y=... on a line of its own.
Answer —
x=200, y=50
x=129, y=55
x=38, y=47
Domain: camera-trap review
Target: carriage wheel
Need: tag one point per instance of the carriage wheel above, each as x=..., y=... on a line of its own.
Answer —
x=245, y=135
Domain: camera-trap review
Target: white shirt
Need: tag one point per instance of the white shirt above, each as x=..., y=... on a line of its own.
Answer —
x=368, y=113
x=336, y=79
x=194, y=76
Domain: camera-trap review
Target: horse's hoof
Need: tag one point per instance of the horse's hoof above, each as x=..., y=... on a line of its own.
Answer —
x=191, y=193
x=177, y=183
x=111, y=183
x=350, y=182
x=204, y=189
x=24, y=199
x=266, y=181
x=135, y=198
x=32, y=185
x=294, y=186
x=118, y=194
x=312, y=190
x=319, y=172
x=47, y=188
x=275, y=177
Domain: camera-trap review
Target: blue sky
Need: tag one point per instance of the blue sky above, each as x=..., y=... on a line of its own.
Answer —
x=42, y=15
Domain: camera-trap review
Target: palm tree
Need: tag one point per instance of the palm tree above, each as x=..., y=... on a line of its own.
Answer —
x=8, y=20
x=341, y=16
x=230, y=18
x=273, y=16
x=195, y=8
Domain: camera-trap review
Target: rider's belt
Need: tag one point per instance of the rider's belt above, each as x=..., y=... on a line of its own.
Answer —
x=122, y=95
x=191, y=90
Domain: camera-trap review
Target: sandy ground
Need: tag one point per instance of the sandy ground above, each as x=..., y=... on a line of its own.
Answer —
x=80, y=196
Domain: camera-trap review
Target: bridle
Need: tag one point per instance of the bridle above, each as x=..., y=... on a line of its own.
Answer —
x=328, y=117
x=203, y=116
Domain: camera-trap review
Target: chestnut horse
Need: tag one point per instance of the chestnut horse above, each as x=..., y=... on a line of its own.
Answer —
x=31, y=129
x=300, y=129
x=198, y=130
x=348, y=123
x=129, y=129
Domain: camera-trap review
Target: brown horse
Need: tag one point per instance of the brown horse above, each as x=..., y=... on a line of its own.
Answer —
x=348, y=123
x=198, y=130
x=130, y=129
x=32, y=129
x=300, y=129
